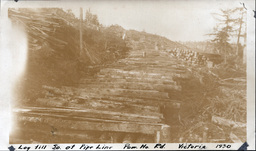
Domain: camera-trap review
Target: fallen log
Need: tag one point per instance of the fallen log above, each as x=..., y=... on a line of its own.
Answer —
x=57, y=90
x=227, y=122
x=234, y=138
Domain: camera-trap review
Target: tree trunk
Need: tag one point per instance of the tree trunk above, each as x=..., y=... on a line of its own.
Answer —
x=81, y=33
x=239, y=34
x=225, y=54
x=245, y=43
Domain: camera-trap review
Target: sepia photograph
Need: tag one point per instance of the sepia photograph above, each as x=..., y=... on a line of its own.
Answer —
x=127, y=71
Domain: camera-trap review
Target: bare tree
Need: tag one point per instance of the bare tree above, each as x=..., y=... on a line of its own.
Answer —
x=240, y=22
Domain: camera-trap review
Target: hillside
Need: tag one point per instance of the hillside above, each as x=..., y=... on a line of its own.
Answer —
x=143, y=40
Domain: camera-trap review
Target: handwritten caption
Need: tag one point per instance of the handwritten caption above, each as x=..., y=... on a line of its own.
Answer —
x=88, y=147
x=127, y=146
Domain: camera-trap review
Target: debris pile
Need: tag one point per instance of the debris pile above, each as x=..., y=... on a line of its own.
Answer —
x=54, y=32
x=215, y=98
x=54, y=55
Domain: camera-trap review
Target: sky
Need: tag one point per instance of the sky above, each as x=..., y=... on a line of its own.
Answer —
x=177, y=20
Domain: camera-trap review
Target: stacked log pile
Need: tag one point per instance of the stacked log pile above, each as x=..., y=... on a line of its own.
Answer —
x=123, y=102
x=195, y=58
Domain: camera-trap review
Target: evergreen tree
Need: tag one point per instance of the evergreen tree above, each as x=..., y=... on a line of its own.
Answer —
x=229, y=22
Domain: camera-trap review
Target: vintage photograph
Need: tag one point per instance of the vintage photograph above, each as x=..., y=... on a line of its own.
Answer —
x=130, y=72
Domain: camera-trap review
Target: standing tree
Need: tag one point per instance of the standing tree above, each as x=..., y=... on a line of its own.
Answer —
x=91, y=18
x=229, y=22
x=241, y=25
x=88, y=15
x=81, y=30
x=222, y=32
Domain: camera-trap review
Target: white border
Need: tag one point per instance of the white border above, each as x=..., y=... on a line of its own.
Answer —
x=250, y=4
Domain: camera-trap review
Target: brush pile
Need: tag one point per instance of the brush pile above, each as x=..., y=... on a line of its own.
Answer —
x=56, y=33
x=214, y=98
x=214, y=104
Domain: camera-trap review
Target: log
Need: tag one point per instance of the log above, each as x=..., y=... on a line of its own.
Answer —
x=57, y=90
x=134, y=86
x=92, y=113
x=113, y=78
x=122, y=73
x=126, y=92
x=149, y=101
x=125, y=107
x=226, y=122
x=234, y=138
x=91, y=124
x=54, y=102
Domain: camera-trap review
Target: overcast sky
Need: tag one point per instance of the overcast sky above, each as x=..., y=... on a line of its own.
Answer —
x=178, y=20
